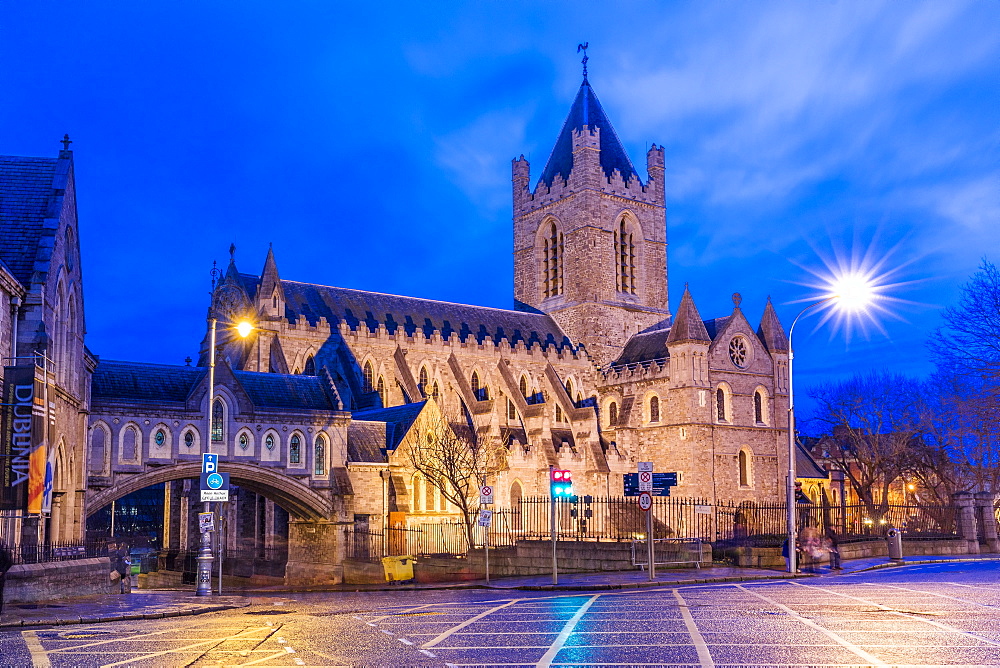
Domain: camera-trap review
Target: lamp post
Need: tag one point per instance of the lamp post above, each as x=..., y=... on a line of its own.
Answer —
x=205, y=556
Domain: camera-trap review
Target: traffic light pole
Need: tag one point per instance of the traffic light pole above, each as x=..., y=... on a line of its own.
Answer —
x=552, y=525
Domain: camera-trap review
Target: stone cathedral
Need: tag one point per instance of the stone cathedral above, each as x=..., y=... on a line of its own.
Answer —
x=590, y=370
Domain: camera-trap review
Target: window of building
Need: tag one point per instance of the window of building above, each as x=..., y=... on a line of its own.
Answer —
x=552, y=265
x=369, y=377
x=381, y=391
x=479, y=391
x=159, y=437
x=758, y=407
x=436, y=391
x=274, y=301
x=559, y=414
x=295, y=450
x=613, y=414
x=319, y=458
x=625, y=259
x=269, y=441
x=130, y=450
x=218, y=421
x=430, y=497
x=310, y=367
x=523, y=386
x=188, y=438
x=244, y=441
x=422, y=382
x=744, y=462
x=98, y=449
x=654, y=409
x=511, y=410
x=720, y=404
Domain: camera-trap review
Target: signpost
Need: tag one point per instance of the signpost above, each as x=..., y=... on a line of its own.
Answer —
x=206, y=522
x=645, y=476
x=485, y=519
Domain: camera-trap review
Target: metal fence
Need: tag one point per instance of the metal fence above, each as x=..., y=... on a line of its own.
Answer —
x=26, y=553
x=420, y=540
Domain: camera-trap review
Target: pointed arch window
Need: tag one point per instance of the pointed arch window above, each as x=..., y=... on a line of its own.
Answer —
x=511, y=411
x=559, y=414
x=654, y=409
x=436, y=391
x=479, y=391
x=218, y=420
x=523, y=386
x=295, y=449
x=422, y=382
x=720, y=404
x=319, y=457
x=381, y=391
x=130, y=445
x=744, y=462
x=310, y=367
x=625, y=259
x=98, y=445
x=758, y=407
x=613, y=414
x=552, y=265
x=369, y=377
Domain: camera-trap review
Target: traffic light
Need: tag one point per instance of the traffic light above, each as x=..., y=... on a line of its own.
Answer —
x=561, y=484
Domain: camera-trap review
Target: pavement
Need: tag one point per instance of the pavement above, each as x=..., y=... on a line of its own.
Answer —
x=157, y=604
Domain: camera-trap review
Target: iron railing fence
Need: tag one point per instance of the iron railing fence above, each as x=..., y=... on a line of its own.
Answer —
x=26, y=553
x=419, y=540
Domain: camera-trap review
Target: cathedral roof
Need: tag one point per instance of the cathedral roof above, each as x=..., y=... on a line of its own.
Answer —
x=645, y=347
x=372, y=432
x=587, y=111
x=688, y=325
x=25, y=196
x=278, y=390
x=770, y=330
x=413, y=316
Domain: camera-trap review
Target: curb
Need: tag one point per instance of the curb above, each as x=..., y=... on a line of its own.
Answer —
x=878, y=567
x=124, y=616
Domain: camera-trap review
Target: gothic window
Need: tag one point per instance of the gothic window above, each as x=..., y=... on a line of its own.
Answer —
x=98, y=445
x=319, y=459
x=381, y=391
x=310, y=367
x=552, y=265
x=417, y=493
x=188, y=438
x=523, y=386
x=559, y=414
x=613, y=414
x=511, y=411
x=295, y=450
x=269, y=441
x=274, y=301
x=579, y=400
x=430, y=498
x=758, y=407
x=218, y=415
x=422, y=382
x=436, y=391
x=479, y=391
x=720, y=404
x=739, y=352
x=130, y=450
x=159, y=437
x=369, y=377
x=244, y=441
x=654, y=409
x=625, y=259
x=744, y=462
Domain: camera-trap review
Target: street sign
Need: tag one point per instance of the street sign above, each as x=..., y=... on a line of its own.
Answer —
x=214, y=487
x=703, y=510
x=645, y=481
x=486, y=495
x=662, y=482
x=209, y=463
x=645, y=501
x=485, y=517
x=645, y=466
x=206, y=522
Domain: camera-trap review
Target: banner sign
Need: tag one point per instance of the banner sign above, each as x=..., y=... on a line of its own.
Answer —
x=661, y=483
x=23, y=456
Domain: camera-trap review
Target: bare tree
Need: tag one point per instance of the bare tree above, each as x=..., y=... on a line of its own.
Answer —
x=457, y=456
x=969, y=341
x=873, y=426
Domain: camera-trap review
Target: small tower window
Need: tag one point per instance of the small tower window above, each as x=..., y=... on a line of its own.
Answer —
x=552, y=265
x=381, y=392
x=744, y=461
x=479, y=391
x=436, y=391
x=559, y=414
x=625, y=259
x=218, y=413
x=274, y=301
x=523, y=386
x=310, y=367
x=720, y=404
x=654, y=409
x=758, y=407
x=613, y=414
x=295, y=450
x=511, y=411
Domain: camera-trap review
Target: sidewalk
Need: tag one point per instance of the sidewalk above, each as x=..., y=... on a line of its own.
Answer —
x=156, y=604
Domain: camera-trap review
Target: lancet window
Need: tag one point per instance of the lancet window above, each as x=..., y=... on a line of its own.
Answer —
x=625, y=259
x=552, y=266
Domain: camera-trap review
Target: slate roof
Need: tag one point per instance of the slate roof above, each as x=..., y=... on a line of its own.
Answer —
x=414, y=316
x=25, y=192
x=805, y=465
x=140, y=382
x=366, y=442
x=644, y=347
x=276, y=390
x=397, y=419
x=587, y=110
x=688, y=325
x=770, y=330
x=716, y=325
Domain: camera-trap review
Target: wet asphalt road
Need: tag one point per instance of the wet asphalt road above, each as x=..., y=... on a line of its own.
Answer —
x=929, y=615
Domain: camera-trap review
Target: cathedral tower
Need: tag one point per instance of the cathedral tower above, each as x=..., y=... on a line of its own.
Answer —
x=590, y=244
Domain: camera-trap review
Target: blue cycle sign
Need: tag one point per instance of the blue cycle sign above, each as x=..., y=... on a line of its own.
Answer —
x=214, y=486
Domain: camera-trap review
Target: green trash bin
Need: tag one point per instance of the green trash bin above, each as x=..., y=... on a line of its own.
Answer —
x=398, y=569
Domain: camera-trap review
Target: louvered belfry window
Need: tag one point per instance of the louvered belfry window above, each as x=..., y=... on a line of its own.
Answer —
x=552, y=266
x=625, y=259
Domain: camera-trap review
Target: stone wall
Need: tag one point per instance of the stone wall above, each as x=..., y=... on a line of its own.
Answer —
x=28, y=583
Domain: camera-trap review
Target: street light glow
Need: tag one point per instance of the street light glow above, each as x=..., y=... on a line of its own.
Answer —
x=852, y=292
x=244, y=328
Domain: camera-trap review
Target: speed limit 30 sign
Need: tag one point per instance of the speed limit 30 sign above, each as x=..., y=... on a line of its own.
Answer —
x=645, y=501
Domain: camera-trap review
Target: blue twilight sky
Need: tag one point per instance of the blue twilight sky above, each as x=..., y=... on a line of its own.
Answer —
x=371, y=142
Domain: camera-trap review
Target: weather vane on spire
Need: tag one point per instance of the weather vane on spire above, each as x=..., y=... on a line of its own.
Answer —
x=583, y=47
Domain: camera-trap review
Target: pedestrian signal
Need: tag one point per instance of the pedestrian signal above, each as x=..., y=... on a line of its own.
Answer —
x=561, y=484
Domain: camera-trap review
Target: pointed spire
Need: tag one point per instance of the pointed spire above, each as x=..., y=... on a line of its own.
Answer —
x=587, y=111
x=770, y=330
x=687, y=325
x=270, y=281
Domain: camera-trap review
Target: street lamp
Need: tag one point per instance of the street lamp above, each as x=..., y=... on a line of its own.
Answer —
x=205, y=556
x=849, y=293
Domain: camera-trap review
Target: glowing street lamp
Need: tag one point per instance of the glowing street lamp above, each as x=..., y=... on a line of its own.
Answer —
x=205, y=556
x=850, y=294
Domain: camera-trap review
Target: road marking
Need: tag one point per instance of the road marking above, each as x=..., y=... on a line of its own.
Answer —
x=704, y=656
x=846, y=644
x=298, y=661
x=431, y=643
x=953, y=598
x=908, y=615
x=387, y=632
x=214, y=641
x=404, y=641
x=428, y=653
x=289, y=650
x=564, y=635
x=39, y=658
x=270, y=657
